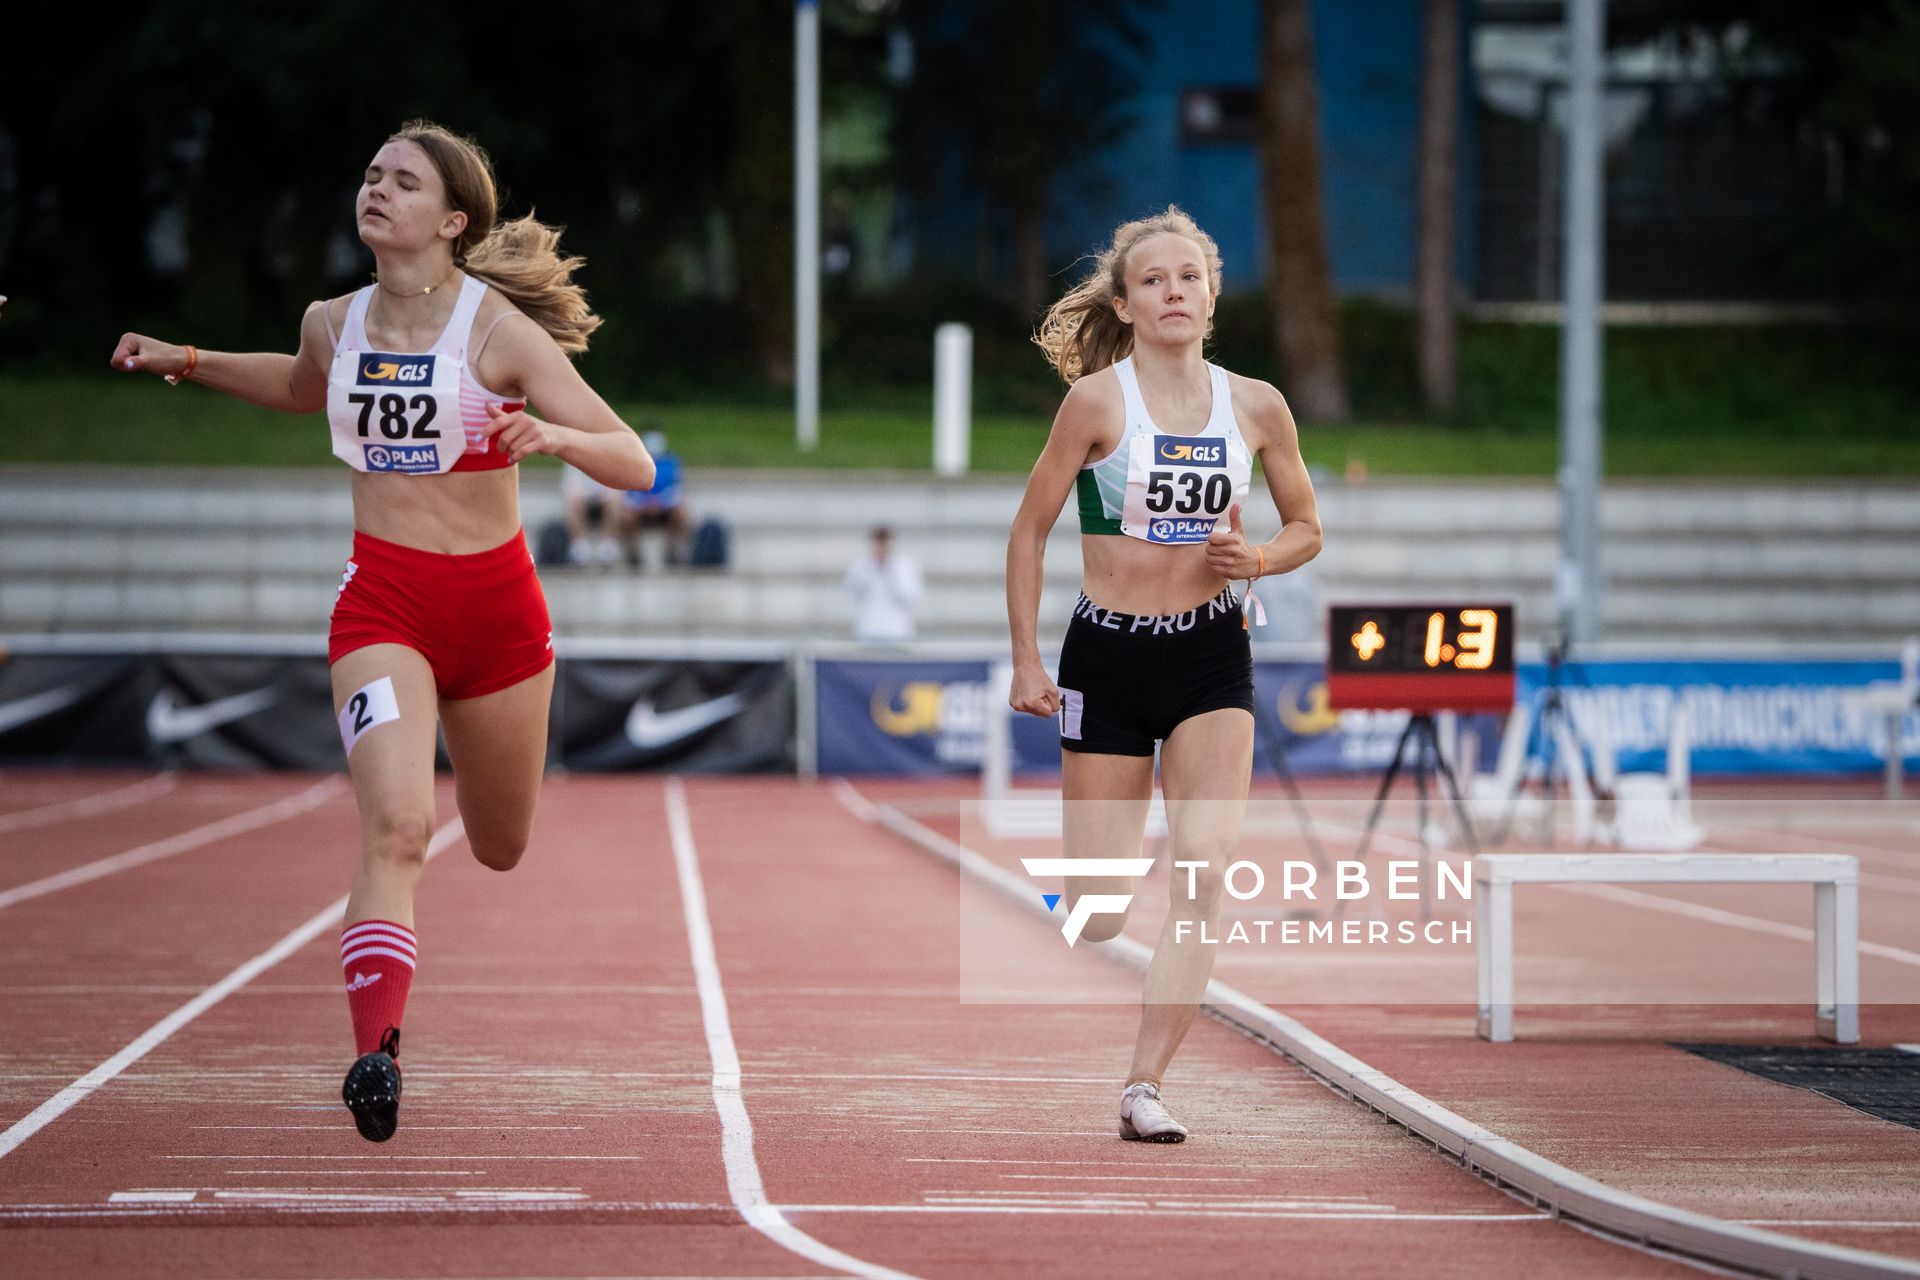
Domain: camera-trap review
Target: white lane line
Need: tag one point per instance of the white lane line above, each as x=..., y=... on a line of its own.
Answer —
x=743, y=1170
x=1830, y=1222
x=1732, y=919
x=1892, y=884
x=156, y=1035
x=1111, y=1164
x=1174, y=1212
x=89, y=806
x=412, y=1128
x=251, y=820
x=151, y=1197
x=401, y=1203
x=385, y=1157
x=1901, y=856
x=1115, y=1177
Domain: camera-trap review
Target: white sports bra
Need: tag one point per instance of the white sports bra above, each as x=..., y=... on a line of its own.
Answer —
x=414, y=413
x=1166, y=488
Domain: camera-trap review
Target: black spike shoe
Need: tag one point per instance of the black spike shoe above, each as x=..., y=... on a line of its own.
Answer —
x=372, y=1090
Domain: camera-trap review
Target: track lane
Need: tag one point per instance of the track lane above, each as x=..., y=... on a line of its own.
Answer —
x=92, y=966
x=77, y=801
x=557, y=1119
x=978, y=1139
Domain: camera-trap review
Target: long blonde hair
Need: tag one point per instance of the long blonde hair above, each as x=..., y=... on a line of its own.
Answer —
x=521, y=258
x=1081, y=334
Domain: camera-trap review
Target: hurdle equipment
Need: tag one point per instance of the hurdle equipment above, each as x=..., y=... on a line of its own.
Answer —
x=1836, y=916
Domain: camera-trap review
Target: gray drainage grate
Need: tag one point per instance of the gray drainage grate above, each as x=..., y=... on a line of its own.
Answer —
x=1880, y=1082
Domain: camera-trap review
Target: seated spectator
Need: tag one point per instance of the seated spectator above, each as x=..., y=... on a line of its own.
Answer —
x=592, y=518
x=661, y=507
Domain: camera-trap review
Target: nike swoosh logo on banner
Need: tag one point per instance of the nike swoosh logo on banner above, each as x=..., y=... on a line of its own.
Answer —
x=26, y=710
x=648, y=729
x=168, y=721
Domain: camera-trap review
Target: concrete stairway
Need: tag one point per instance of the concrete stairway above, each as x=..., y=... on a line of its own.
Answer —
x=155, y=550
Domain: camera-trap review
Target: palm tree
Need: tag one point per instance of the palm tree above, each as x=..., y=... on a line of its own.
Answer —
x=1306, y=319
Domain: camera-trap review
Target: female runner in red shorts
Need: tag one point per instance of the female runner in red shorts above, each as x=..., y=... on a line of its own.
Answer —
x=425, y=377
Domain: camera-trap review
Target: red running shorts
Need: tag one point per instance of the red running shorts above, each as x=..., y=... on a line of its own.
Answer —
x=479, y=620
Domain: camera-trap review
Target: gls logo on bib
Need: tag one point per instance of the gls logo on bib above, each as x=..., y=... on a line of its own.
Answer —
x=379, y=369
x=1192, y=453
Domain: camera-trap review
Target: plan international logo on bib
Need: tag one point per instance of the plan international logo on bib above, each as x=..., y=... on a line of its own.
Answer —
x=379, y=369
x=1181, y=529
x=411, y=459
x=1191, y=453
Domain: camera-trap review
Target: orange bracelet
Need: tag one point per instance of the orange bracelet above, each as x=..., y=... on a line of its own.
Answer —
x=193, y=359
x=1261, y=572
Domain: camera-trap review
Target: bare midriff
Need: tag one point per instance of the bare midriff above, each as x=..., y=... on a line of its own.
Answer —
x=1132, y=576
x=460, y=513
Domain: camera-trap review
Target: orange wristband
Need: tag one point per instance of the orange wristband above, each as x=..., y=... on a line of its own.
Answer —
x=1261, y=572
x=193, y=359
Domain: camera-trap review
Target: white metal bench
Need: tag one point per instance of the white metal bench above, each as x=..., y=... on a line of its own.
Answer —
x=1836, y=916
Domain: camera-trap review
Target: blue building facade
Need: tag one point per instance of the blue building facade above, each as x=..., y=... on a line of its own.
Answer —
x=1192, y=143
x=1367, y=55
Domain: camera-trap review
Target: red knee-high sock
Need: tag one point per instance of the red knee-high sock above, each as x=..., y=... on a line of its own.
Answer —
x=378, y=958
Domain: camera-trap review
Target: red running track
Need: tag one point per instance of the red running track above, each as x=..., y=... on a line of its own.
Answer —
x=563, y=1113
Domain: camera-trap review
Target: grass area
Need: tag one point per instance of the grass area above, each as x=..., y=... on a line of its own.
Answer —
x=105, y=419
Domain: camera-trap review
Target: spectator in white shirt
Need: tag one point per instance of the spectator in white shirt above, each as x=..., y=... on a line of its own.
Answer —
x=885, y=586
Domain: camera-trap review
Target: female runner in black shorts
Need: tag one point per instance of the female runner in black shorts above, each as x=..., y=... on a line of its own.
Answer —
x=439, y=622
x=1158, y=446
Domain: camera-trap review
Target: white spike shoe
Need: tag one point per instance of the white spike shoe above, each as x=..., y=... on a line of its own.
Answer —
x=1144, y=1118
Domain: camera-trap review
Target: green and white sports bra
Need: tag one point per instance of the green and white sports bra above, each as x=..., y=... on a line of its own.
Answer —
x=1166, y=488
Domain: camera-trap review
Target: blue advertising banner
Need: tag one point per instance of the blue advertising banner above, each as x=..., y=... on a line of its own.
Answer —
x=916, y=716
x=928, y=717
x=1744, y=716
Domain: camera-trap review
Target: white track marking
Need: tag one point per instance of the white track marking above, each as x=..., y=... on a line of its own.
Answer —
x=89, y=806
x=411, y=1128
x=743, y=1170
x=238, y=824
x=384, y=1157
x=401, y=1202
x=150, y=1039
x=1832, y=846
x=1891, y=884
x=1732, y=919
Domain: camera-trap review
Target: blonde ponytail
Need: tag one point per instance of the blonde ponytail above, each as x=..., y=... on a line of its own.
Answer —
x=520, y=258
x=1081, y=334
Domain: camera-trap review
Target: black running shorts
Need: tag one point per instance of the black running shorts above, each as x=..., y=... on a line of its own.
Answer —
x=1126, y=680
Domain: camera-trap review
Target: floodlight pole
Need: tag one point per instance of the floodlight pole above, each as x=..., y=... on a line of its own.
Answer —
x=806, y=223
x=1578, y=586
